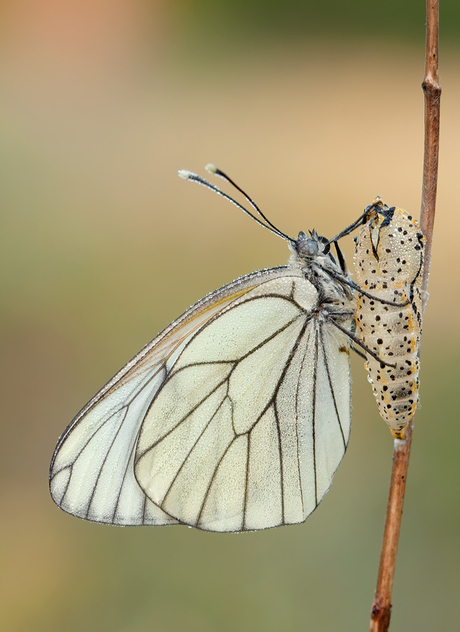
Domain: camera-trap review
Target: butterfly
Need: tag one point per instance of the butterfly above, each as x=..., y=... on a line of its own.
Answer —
x=236, y=416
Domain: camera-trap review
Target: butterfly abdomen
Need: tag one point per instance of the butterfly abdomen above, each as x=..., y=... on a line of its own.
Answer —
x=389, y=265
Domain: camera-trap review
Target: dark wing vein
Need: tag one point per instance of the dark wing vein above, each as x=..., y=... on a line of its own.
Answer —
x=280, y=456
x=315, y=373
x=193, y=447
x=70, y=467
x=186, y=416
x=79, y=453
x=211, y=480
x=275, y=408
x=128, y=463
x=246, y=484
x=111, y=444
x=331, y=387
x=297, y=419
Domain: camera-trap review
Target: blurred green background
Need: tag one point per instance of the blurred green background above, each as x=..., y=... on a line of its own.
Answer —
x=314, y=108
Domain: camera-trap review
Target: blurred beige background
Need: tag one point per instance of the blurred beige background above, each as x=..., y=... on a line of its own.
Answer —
x=102, y=245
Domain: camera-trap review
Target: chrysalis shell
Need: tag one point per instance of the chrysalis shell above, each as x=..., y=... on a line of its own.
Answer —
x=389, y=265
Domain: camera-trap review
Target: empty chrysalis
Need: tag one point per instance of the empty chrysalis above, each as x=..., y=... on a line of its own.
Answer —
x=389, y=265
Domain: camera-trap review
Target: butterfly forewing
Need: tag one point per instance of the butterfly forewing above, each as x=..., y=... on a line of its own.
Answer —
x=253, y=418
x=92, y=470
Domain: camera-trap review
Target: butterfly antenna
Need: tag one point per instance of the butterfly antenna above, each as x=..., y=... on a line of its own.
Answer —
x=213, y=169
x=193, y=177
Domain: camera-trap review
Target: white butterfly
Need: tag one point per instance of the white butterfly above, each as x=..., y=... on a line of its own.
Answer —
x=235, y=417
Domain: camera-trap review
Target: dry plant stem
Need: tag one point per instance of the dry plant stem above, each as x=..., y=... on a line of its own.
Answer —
x=381, y=608
x=432, y=92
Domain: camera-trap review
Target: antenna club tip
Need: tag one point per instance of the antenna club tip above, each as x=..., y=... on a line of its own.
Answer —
x=210, y=168
x=183, y=173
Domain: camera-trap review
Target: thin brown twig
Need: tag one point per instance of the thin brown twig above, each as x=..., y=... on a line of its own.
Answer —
x=381, y=607
x=432, y=91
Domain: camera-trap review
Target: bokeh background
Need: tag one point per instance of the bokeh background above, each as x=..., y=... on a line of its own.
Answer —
x=314, y=108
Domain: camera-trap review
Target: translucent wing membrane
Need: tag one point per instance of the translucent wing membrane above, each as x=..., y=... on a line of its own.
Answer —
x=92, y=472
x=239, y=452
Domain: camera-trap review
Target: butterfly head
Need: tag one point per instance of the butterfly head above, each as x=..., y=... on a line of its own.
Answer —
x=314, y=249
x=310, y=247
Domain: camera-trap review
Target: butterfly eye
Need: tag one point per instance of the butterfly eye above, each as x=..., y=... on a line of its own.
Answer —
x=306, y=246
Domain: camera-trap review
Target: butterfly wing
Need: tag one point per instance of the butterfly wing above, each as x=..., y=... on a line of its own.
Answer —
x=253, y=417
x=92, y=469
